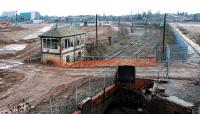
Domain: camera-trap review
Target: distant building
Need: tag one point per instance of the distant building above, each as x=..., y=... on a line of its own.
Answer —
x=35, y=15
x=28, y=16
x=196, y=17
x=38, y=21
x=63, y=43
x=104, y=22
x=10, y=14
x=100, y=23
x=25, y=16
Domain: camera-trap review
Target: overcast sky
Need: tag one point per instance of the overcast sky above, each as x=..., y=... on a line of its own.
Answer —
x=107, y=7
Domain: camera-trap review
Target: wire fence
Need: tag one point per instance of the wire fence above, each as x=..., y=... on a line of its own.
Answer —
x=83, y=90
x=172, y=53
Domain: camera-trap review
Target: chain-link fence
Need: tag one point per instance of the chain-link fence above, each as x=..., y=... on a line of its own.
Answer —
x=81, y=91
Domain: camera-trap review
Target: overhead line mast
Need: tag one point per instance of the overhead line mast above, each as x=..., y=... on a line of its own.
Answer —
x=96, y=31
x=163, y=43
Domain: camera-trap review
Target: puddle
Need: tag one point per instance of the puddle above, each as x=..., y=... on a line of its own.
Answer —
x=6, y=64
x=13, y=47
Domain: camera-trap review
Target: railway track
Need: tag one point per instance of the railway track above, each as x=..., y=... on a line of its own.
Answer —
x=133, y=47
x=118, y=52
x=149, y=44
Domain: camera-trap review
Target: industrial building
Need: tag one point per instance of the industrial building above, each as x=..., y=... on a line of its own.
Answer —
x=10, y=14
x=28, y=16
x=64, y=44
x=35, y=15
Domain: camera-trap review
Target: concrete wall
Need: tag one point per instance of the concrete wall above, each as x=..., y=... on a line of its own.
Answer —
x=63, y=57
x=45, y=57
x=71, y=55
x=179, y=51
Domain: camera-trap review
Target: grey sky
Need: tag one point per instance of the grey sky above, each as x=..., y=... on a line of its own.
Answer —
x=114, y=7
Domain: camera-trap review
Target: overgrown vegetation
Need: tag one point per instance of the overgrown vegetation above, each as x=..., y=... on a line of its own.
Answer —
x=170, y=39
x=104, y=46
x=97, y=52
x=123, y=31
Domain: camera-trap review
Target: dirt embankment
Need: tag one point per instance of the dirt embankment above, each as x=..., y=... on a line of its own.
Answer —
x=32, y=48
x=192, y=31
x=103, y=32
x=17, y=37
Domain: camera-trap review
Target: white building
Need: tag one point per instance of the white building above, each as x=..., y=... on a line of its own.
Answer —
x=38, y=21
x=64, y=44
x=35, y=15
x=9, y=13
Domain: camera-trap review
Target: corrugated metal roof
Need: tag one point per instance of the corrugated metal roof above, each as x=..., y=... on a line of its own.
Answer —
x=63, y=32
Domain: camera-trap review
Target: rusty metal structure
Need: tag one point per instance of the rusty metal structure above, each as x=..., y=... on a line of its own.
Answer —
x=132, y=95
x=5, y=26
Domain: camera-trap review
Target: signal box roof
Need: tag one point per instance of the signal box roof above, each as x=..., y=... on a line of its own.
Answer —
x=62, y=32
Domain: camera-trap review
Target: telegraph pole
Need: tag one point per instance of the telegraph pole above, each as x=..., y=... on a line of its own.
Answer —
x=96, y=31
x=146, y=26
x=131, y=22
x=16, y=17
x=164, y=27
x=119, y=27
x=74, y=51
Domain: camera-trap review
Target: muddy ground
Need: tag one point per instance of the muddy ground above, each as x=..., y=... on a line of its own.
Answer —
x=34, y=83
x=22, y=81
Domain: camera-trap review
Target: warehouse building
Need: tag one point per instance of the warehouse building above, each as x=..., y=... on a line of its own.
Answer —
x=64, y=44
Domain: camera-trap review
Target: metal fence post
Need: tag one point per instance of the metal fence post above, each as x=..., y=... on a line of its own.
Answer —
x=89, y=88
x=104, y=81
x=50, y=105
x=113, y=79
x=58, y=109
x=158, y=75
x=76, y=97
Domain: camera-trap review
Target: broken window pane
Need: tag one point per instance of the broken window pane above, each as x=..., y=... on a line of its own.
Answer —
x=44, y=43
x=55, y=43
x=71, y=43
x=48, y=43
x=66, y=43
